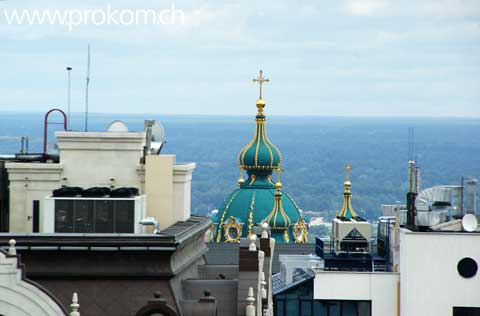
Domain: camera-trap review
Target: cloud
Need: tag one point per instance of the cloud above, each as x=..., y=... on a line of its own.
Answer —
x=417, y=8
x=365, y=7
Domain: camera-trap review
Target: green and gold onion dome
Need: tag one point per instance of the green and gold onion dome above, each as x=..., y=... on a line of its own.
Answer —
x=258, y=199
x=260, y=154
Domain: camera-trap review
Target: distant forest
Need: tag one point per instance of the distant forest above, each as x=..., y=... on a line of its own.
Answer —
x=315, y=150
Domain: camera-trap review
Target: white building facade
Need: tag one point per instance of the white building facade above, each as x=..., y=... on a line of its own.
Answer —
x=437, y=276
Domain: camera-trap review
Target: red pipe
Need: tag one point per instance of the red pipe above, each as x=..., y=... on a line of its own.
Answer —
x=45, y=127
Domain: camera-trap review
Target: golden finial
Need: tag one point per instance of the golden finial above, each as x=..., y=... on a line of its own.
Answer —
x=240, y=178
x=347, y=182
x=260, y=79
x=347, y=169
x=278, y=185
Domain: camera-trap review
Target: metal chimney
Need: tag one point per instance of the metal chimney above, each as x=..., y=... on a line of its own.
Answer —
x=417, y=180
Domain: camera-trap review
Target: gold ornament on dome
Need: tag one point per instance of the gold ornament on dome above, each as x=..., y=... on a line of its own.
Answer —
x=285, y=236
x=300, y=231
x=232, y=230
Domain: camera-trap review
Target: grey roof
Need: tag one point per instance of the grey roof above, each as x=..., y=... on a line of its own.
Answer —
x=299, y=276
x=167, y=239
x=225, y=292
x=227, y=253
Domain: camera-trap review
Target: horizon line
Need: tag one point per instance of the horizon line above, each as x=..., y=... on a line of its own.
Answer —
x=243, y=115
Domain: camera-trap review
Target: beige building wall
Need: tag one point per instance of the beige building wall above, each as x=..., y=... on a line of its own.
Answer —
x=30, y=182
x=168, y=189
x=159, y=188
x=102, y=159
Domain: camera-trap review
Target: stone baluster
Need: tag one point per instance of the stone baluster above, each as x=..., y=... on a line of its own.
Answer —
x=12, y=251
x=264, y=284
x=253, y=246
x=74, y=306
x=250, y=309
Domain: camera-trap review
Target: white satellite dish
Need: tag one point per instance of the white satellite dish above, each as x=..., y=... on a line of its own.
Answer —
x=469, y=223
x=155, y=134
x=117, y=127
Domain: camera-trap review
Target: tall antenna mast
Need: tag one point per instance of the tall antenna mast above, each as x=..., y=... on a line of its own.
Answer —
x=69, y=69
x=410, y=143
x=86, y=90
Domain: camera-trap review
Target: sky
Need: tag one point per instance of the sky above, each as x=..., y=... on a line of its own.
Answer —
x=333, y=58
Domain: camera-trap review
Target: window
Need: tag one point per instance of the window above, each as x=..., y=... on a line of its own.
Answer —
x=36, y=216
x=466, y=311
x=94, y=216
x=342, y=308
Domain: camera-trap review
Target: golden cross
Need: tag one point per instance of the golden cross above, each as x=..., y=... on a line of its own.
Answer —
x=260, y=79
x=348, y=168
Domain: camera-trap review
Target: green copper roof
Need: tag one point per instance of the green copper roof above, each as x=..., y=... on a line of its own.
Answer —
x=260, y=153
x=258, y=199
x=254, y=202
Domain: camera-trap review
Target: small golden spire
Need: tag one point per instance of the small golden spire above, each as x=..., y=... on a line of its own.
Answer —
x=348, y=168
x=347, y=182
x=278, y=184
x=240, y=178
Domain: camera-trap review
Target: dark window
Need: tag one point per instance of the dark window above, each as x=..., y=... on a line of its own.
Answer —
x=306, y=308
x=280, y=308
x=94, y=216
x=466, y=311
x=36, y=216
x=467, y=267
x=298, y=301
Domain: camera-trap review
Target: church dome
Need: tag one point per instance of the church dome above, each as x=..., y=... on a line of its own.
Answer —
x=260, y=153
x=258, y=199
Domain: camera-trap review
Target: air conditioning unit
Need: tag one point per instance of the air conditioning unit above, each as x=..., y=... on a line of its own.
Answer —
x=93, y=215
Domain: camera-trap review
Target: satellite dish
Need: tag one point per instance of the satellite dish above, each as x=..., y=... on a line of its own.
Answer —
x=117, y=127
x=469, y=223
x=155, y=134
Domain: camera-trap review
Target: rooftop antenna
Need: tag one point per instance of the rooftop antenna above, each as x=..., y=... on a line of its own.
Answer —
x=86, y=90
x=412, y=185
x=410, y=143
x=69, y=69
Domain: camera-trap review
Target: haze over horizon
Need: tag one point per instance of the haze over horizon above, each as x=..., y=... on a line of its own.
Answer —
x=345, y=58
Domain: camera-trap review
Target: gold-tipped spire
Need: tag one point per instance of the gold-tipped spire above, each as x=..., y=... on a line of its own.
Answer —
x=278, y=218
x=347, y=182
x=278, y=184
x=240, y=178
x=347, y=209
